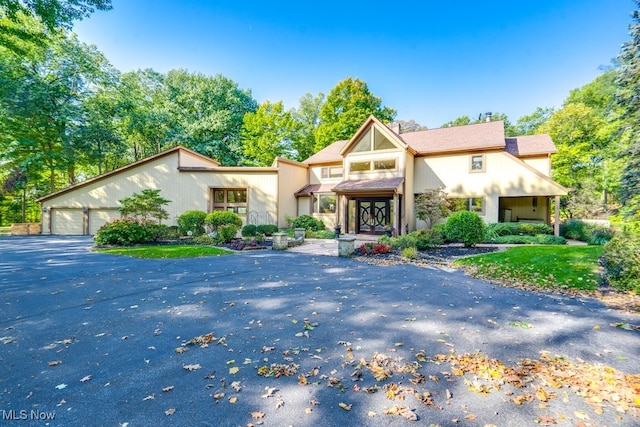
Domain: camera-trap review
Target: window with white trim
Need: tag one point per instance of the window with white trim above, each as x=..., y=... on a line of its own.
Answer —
x=477, y=163
x=472, y=204
x=332, y=172
x=324, y=203
x=230, y=199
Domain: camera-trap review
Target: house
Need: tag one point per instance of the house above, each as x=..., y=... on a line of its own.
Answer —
x=364, y=184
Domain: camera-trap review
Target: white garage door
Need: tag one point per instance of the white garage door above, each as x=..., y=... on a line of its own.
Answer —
x=99, y=217
x=67, y=221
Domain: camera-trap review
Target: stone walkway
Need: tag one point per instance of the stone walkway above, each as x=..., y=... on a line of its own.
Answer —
x=329, y=247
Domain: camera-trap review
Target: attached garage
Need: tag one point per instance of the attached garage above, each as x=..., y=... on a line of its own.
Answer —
x=98, y=217
x=67, y=221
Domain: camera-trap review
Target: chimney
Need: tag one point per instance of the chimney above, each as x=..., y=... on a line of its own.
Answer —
x=395, y=126
x=488, y=116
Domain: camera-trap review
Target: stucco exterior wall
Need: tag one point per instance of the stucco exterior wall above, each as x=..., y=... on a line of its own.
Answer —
x=291, y=178
x=541, y=164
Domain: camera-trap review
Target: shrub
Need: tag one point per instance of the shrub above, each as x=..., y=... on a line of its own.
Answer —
x=127, y=231
x=173, y=232
x=374, y=248
x=409, y=253
x=515, y=240
x=192, y=221
x=574, y=229
x=385, y=240
x=466, y=227
x=267, y=229
x=227, y=232
x=322, y=234
x=404, y=241
x=428, y=239
x=547, y=239
x=621, y=261
x=600, y=235
x=308, y=223
x=516, y=228
x=249, y=230
x=259, y=238
x=148, y=204
x=217, y=219
x=205, y=240
x=440, y=228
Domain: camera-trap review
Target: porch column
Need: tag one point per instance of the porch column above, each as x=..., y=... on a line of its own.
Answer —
x=397, y=221
x=556, y=217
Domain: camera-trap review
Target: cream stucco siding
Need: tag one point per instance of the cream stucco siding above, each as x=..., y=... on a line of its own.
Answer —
x=504, y=176
x=290, y=178
x=541, y=164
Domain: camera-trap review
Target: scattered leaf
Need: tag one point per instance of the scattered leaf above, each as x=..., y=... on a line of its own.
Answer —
x=233, y=400
x=234, y=370
x=85, y=378
x=61, y=386
x=54, y=362
x=258, y=415
x=170, y=411
x=193, y=367
x=167, y=389
x=150, y=397
x=345, y=406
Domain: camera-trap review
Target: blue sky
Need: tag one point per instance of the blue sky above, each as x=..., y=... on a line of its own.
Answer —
x=430, y=60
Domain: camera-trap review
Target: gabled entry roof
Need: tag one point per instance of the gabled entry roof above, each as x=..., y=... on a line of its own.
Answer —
x=369, y=185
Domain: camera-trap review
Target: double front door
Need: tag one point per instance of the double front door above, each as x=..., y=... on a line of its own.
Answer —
x=372, y=215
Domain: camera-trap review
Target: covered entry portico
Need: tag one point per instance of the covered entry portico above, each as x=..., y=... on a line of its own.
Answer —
x=370, y=206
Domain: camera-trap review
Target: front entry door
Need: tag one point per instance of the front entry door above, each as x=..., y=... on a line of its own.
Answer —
x=373, y=215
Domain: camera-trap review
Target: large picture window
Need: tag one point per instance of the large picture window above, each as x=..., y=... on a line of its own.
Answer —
x=227, y=199
x=332, y=172
x=374, y=165
x=473, y=204
x=324, y=203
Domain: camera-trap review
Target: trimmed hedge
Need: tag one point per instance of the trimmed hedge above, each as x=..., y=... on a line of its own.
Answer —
x=308, y=223
x=192, y=221
x=517, y=228
x=249, y=230
x=217, y=219
x=621, y=261
x=267, y=229
x=466, y=227
x=129, y=231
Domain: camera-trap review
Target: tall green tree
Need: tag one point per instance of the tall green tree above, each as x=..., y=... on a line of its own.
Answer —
x=628, y=83
x=207, y=114
x=53, y=13
x=268, y=133
x=529, y=124
x=347, y=106
x=307, y=116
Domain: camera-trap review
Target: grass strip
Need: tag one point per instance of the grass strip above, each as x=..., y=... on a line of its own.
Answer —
x=167, y=251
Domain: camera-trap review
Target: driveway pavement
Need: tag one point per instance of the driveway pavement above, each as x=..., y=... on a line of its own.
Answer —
x=91, y=339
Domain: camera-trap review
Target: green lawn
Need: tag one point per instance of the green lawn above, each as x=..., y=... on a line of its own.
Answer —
x=544, y=266
x=5, y=231
x=168, y=251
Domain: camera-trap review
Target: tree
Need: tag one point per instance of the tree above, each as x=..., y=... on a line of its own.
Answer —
x=53, y=13
x=268, y=133
x=432, y=205
x=207, y=114
x=147, y=204
x=628, y=83
x=529, y=124
x=408, y=126
x=459, y=121
x=347, y=107
x=307, y=116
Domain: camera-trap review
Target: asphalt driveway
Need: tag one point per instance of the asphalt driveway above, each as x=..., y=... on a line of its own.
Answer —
x=91, y=339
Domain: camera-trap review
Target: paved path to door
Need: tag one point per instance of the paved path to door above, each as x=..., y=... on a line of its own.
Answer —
x=91, y=339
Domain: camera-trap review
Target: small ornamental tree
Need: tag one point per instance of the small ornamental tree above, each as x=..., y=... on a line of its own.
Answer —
x=147, y=204
x=432, y=206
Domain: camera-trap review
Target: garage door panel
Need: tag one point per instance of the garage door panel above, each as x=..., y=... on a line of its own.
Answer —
x=67, y=221
x=99, y=217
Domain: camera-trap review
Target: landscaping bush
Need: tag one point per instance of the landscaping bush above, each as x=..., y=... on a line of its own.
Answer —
x=374, y=248
x=308, y=223
x=192, y=221
x=428, y=239
x=127, y=231
x=172, y=232
x=227, y=232
x=404, y=241
x=621, y=261
x=217, y=219
x=574, y=229
x=440, y=228
x=466, y=227
x=548, y=239
x=322, y=234
x=600, y=235
x=205, y=240
x=409, y=253
x=249, y=230
x=516, y=229
x=267, y=229
x=514, y=240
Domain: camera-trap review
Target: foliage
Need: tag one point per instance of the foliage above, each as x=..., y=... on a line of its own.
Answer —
x=441, y=229
x=307, y=117
x=128, y=231
x=428, y=239
x=526, y=239
x=308, y=223
x=168, y=251
x=407, y=126
x=217, y=219
x=509, y=129
x=621, y=261
x=404, y=241
x=268, y=133
x=267, y=229
x=549, y=239
x=432, y=205
x=466, y=227
x=227, y=232
x=53, y=13
x=579, y=230
x=192, y=221
x=347, y=106
x=249, y=230
x=529, y=124
x=205, y=240
x=321, y=234
x=600, y=235
x=371, y=248
x=539, y=266
x=517, y=228
x=409, y=252
x=147, y=204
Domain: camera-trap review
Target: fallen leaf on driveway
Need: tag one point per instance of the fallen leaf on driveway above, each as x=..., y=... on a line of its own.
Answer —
x=546, y=420
x=166, y=389
x=345, y=406
x=61, y=386
x=257, y=415
x=54, y=362
x=85, y=378
x=170, y=411
x=193, y=367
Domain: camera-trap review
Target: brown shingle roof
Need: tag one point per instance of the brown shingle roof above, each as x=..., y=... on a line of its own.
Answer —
x=484, y=135
x=314, y=188
x=369, y=184
x=329, y=154
x=530, y=145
